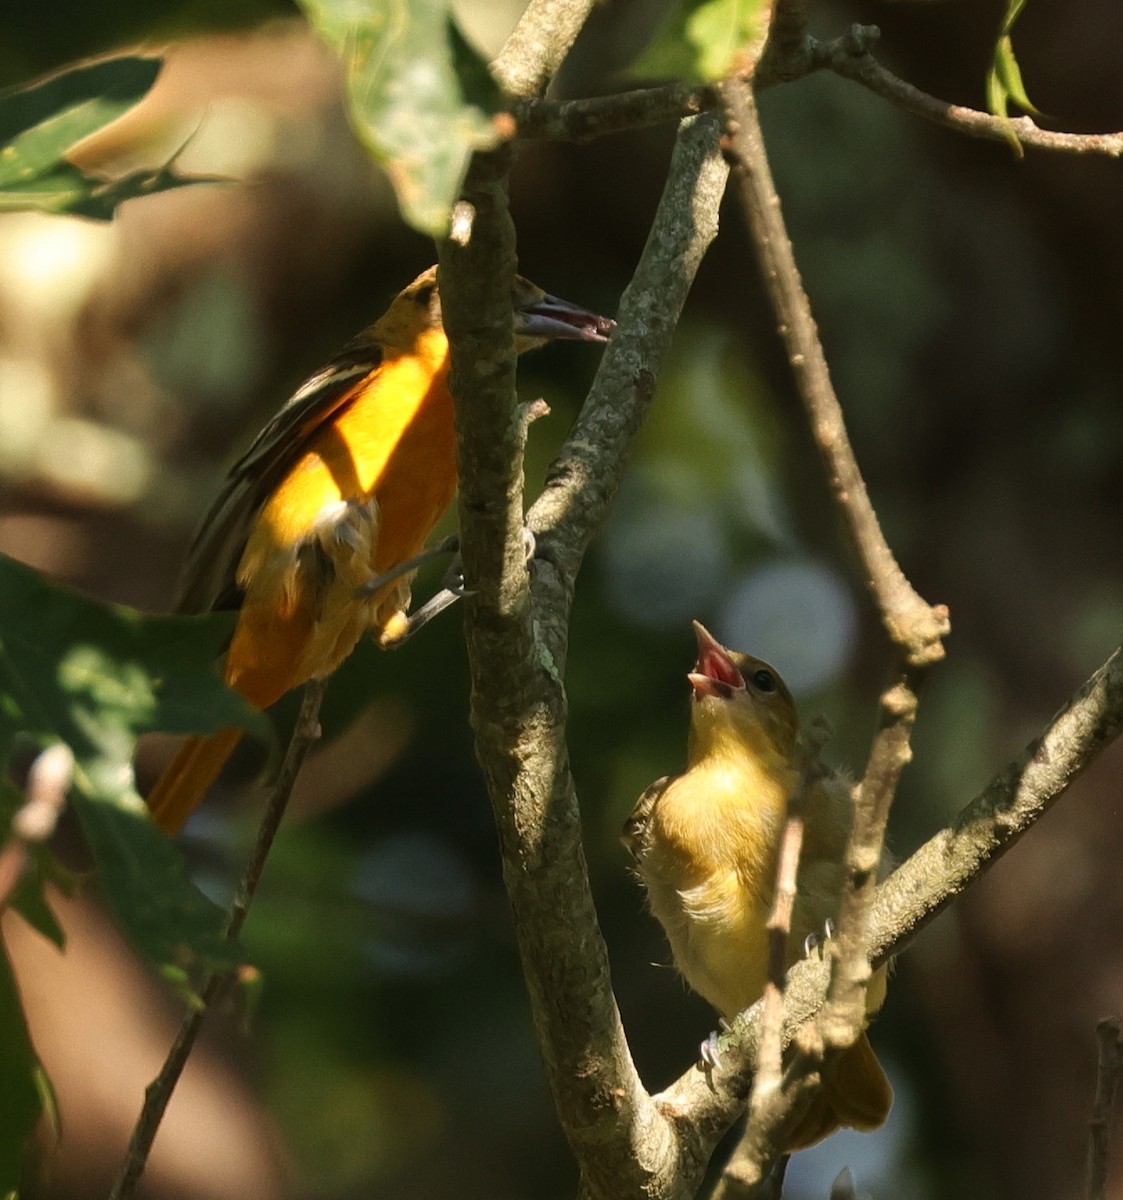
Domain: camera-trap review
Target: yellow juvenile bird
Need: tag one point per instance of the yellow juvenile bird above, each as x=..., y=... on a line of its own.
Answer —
x=706, y=845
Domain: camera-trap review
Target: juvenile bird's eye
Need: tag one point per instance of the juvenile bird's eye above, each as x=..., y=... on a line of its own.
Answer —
x=424, y=295
x=764, y=681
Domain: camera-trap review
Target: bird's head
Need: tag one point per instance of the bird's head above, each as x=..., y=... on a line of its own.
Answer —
x=538, y=316
x=740, y=704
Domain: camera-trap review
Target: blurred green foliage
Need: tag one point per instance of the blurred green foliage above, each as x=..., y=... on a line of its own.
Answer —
x=699, y=40
x=420, y=97
x=94, y=678
x=41, y=37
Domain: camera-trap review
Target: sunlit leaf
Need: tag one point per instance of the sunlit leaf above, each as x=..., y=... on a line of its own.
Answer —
x=1004, y=79
x=95, y=677
x=420, y=97
x=699, y=40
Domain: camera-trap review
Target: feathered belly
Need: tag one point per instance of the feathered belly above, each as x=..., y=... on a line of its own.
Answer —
x=363, y=499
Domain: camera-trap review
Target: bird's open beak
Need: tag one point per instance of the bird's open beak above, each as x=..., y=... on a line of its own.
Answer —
x=550, y=319
x=715, y=674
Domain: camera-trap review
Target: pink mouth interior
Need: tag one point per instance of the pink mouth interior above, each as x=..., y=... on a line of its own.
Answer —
x=717, y=666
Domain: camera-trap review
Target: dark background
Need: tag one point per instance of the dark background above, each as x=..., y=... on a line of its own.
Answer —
x=970, y=304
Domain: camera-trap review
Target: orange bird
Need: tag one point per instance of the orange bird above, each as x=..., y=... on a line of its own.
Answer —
x=706, y=845
x=342, y=487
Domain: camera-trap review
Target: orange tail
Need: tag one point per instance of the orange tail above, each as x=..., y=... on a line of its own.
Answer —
x=855, y=1093
x=188, y=777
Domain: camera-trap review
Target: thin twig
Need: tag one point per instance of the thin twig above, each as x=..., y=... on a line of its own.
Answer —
x=769, y=1061
x=776, y=1100
x=1109, y=1061
x=159, y=1092
x=915, y=628
x=744, y=1171
x=911, y=623
x=596, y=116
x=849, y=57
x=843, y=1017
x=743, y=1179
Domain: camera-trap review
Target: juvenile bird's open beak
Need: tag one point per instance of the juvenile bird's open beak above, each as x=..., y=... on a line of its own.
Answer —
x=551, y=319
x=715, y=674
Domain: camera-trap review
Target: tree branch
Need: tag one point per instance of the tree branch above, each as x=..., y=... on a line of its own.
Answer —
x=1109, y=1062
x=586, y=474
x=849, y=57
x=585, y=120
x=1010, y=804
x=787, y=30
x=159, y=1092
x=517, y=653
x=531, y=56
x=912, y=624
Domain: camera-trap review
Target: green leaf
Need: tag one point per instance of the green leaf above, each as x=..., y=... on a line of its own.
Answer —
x=699, y=40
x=1004, y=79
x=29, y=900
x=417, y=98
x=45, y=119
x=21, y=1081
x=154, y=901
x=41, y=124
x=96, y=676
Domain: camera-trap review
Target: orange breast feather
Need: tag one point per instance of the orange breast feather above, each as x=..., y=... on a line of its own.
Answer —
x=362, y=498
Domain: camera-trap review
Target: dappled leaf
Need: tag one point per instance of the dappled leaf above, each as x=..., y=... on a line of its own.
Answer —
x=417, y=95
x=94, y=677
x=41, y=124
x=21, y=1088
x=155, y=903
x=699, y=40
x=41, y=121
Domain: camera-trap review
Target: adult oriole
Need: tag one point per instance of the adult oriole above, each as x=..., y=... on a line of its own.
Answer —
x=706, y=845
x=341, y=487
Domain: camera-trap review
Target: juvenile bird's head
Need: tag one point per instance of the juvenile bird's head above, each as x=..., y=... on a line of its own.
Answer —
x=740, y=705
x=538, y=316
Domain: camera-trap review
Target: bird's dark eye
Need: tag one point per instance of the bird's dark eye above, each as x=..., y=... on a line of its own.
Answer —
x=763, y=681
x=424, y=294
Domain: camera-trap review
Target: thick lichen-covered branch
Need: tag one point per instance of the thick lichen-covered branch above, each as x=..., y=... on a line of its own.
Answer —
x=517, y=644
x=538, y=44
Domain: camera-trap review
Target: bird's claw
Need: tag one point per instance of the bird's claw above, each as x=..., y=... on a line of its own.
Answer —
x=710, y=1050
x=813, y=941
x=453, y=580
x=452, y=585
